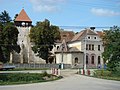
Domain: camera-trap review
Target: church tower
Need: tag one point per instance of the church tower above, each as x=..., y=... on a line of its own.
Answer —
x=26, y=55
x=23, y=24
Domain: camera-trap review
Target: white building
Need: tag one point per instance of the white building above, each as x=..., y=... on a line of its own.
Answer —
x=90, y=47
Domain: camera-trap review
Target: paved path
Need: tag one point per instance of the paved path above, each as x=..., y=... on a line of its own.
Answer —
x=70, y=82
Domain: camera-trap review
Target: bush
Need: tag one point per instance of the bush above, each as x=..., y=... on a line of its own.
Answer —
x=25, y=77
x=102, y=73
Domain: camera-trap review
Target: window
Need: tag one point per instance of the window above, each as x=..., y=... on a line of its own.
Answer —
x=98, y=59
x=95, y=37
x=89, y=37
x=92, y=59
x=86, y=59
x=92, y=46
x=89, y=46
x=57, y=47
x=76, y=60
x=86, y=46
x=64, y=36
x=98, y=47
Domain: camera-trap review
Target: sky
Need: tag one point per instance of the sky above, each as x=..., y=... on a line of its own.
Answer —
x=68, y=14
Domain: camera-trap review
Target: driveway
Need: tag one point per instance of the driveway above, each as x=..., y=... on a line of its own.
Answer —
x=71, y=82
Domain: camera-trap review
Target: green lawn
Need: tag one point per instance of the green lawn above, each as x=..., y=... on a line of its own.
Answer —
x=23, y=78
x=104, y=74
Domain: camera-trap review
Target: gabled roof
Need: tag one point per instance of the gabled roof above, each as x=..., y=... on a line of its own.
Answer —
x=22, y=16
x=64, y=46
x=83, y=33
x=100, y=33
x=67, y=35
x=65, y=49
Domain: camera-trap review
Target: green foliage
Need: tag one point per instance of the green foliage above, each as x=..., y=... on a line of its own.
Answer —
x=44, y=37
x=102, y=73
x=105, y=74
x=4, y=17
x=8, y=37
x=9, y=78
x=111, y=39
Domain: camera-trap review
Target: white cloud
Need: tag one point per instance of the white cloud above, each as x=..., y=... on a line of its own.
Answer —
x=104, y=12
x=46, y=5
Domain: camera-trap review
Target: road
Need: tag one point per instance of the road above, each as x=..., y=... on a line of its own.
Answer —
x=70, y=81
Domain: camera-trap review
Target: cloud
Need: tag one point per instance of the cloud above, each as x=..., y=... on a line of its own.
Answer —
x=46, y=5
x=104, y=12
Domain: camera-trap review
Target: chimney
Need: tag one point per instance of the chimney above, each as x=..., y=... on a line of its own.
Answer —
x=92, y=28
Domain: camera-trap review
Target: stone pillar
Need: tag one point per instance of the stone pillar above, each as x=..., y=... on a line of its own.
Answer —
x=11, y=57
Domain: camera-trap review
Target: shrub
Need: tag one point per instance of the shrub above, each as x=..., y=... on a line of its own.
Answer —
x=102, y=73
x=18, y=77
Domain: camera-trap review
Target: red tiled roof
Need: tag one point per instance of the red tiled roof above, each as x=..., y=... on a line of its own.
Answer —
x=100, y=33
x=67, y=35
x=22, y=16
x=83, y=33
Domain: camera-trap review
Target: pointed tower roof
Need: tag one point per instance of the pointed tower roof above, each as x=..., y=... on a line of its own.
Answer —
x=22, y=16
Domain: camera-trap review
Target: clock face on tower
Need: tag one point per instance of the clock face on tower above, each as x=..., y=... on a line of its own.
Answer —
x=23, y=23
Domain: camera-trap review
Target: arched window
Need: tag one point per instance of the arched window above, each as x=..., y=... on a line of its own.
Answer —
x=92, y=60
x=57, y=47
x=99, y=60
x=76, y=60
x=86, y=59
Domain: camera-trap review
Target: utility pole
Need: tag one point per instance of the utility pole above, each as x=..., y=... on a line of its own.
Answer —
x=62, y=65
x=85, y=54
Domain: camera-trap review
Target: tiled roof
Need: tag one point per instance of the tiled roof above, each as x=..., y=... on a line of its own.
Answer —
x=100, y=33
x=63, y=46
x=67, y=35
x=83, y=33
x=22, y=16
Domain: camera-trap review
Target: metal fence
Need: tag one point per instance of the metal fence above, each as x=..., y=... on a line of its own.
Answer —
x=66, y=66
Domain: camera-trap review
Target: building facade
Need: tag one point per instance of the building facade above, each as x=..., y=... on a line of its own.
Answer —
x=89, y=42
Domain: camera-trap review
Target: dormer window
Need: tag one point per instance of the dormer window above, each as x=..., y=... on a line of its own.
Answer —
x=64, y=35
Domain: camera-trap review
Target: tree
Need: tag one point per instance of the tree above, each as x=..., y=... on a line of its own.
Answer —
x=4, y=17
x=15, y=17
x=8, y=42
x=111, y=39
x=44, y=37
x=1, y=42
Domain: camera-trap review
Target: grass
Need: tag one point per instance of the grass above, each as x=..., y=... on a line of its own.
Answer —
x=105, y=74
x=25, y=78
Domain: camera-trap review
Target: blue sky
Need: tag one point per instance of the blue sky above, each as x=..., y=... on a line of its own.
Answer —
x=81, y=13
